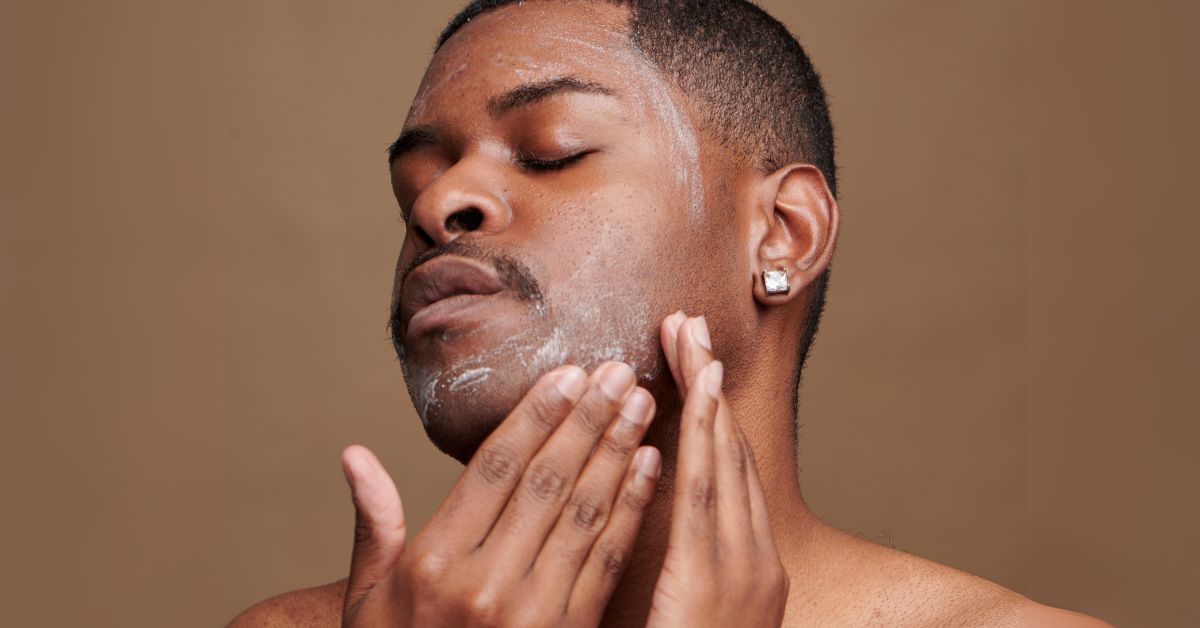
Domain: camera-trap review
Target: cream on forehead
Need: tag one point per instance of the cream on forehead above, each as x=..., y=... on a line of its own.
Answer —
x=420, y=101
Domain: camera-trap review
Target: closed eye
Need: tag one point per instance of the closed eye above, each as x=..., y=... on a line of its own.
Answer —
x=545, y=165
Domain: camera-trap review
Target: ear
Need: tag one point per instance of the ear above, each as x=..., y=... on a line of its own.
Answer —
x=796, y=227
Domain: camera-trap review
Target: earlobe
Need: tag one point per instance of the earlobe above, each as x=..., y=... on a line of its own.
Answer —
x=801, y=227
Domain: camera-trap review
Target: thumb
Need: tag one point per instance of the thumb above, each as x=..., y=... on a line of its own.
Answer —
x=379, y=530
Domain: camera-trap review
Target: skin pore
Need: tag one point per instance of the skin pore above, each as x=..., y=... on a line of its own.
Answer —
x=560, y=156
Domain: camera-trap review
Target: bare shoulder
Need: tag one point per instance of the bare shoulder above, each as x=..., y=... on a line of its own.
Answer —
x=1017, y=611
x=1036, y=615
x=314, y=607
x=951, y=597
x=896, y=588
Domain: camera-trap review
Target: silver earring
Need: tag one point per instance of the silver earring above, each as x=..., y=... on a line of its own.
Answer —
x=776, y=281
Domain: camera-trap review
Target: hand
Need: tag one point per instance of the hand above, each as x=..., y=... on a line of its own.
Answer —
x=721, y=568
x=537, y=529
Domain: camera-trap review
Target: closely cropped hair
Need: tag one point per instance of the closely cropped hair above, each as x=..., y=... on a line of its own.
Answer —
x=751, y=81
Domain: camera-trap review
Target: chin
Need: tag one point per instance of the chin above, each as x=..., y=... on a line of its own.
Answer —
x=460, y=407
x=464, y=382
x=458, y=435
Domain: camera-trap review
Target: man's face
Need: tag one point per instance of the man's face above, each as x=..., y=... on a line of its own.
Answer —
x=551, y=185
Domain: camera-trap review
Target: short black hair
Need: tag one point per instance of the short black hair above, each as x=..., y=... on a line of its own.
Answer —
x=755, y=88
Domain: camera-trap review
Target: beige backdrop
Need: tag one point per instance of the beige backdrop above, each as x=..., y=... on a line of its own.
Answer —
x=198, y=240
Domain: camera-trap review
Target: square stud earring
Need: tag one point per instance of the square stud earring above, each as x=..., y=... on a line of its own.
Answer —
x=776, y=281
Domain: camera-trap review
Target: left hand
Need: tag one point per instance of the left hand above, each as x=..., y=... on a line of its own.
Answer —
x=722, y=567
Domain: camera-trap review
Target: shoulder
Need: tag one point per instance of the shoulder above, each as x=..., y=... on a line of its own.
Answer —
x=314, y=607
x=947, y=596
x=901, y=589
x=1036, y=615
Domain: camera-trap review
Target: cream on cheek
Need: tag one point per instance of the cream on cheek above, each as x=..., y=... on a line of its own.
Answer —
x=596, y=319
x=592, y=318
x=609, y=319
x=603, y=319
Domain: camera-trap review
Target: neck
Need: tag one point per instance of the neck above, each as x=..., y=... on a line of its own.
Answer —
x=766, y=420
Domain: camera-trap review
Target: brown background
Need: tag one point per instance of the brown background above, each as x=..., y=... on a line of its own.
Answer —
x=198, y=239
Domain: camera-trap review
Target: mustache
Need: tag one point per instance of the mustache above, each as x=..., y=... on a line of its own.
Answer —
x=516, y=276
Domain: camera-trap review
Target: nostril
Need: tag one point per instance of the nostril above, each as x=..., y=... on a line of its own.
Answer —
x=423, y=236
x=466, y=219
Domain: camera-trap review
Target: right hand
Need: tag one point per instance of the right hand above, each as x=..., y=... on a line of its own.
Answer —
x=537, y=529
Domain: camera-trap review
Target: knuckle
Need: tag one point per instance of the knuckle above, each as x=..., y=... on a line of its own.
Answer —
x=545, y=411
x=635, y=500
x=591, y=417
x=702, y=493
x=589, y=514
x=700, y=419
x=612, y=559
x=497, y=466
x=545, y=482
x=616, y=448
x=483, y=607
x=427, y=568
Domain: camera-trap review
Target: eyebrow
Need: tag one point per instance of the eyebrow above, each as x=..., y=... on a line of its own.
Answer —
x=537, y=91
x=411, y=140
x=423, y=136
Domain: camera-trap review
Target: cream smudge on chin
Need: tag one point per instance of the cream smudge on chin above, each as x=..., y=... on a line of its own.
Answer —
x=470, y=379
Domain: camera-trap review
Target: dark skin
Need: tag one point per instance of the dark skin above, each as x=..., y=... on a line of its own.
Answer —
x=565, y=161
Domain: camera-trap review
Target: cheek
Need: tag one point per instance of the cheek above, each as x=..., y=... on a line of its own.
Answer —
x=611, y=239
x=608, y=275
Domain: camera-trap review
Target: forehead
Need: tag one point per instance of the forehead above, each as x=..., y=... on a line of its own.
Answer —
x=531, y=41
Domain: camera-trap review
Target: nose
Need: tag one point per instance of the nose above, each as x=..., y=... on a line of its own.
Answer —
x=465, y=199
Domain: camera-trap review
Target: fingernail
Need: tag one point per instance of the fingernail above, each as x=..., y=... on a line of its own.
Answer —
x=713, y=375
x=636, y=411
x=571, y=382
x=700, y=332
x=648, y=462
x=616, y=379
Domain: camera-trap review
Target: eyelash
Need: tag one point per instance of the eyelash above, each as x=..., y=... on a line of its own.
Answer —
x=549, y=165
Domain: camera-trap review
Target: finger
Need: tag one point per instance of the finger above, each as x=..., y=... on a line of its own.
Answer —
x=538, y=500
x=610, y=553
x=669, y=335
x=694, y=511
x=759, y=515
x=733, y=499
x=694, y=349
x=379, y=527
x=733, y=492
x=592, y=501
x=487, y=483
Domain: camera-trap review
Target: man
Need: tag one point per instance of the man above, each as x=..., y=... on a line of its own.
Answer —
x=574, y=175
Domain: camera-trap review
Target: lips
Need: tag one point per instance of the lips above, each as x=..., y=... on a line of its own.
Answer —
x=442, y=286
